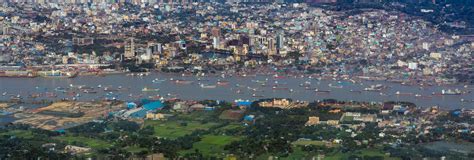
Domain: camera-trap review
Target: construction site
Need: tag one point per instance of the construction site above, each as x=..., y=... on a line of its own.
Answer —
x=66, y=114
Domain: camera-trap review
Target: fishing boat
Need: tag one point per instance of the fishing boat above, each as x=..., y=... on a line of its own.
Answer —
x=145, y=89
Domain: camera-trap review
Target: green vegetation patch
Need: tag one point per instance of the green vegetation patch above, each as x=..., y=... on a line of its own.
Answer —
x=308, y=142
x=84, y=141
x=212, y=145
x=173, y=129
x=362, y=153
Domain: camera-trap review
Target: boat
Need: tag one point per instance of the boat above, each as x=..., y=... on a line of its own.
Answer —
x=145, y=89
x=377, y=87
x=222, y=83
x=305, y=84
x=208, y=86
x=403, y=94
x=238, y=91
x=60, y=89
x=5, y=113
x=279, y=88
x=255, y=95
x=355, y=91
x=158, y=80
x=182, y=82
x=51, y=95
x=109, y=89
x=451, y=92
x=333, y=86
x=35, y=95
x=322, y=91
x=276, y=76
x=89, y=91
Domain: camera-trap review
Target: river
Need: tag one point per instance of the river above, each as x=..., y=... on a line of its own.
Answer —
x=247, y=88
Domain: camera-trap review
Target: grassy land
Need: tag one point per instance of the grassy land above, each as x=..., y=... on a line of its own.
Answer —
x=299, y=154
x=308, y=142
x=212, y=145
x=19, y=133
x=89, y=142
x=195, y=116
x=232, y=126
x=135, y=149
x=174, y=129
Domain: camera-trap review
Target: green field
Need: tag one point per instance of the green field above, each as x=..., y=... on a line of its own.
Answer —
x=89, y=142
x=212, y=145
x=173, y=129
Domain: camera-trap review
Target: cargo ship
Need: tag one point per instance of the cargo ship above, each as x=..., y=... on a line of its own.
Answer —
x=57, y=74
x=18, y=74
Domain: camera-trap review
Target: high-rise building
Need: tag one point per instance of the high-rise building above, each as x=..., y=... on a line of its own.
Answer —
x=216, y=35
x=130, y=49
x=280, y=41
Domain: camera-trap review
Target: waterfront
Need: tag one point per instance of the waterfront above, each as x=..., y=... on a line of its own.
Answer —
x=157, y=85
